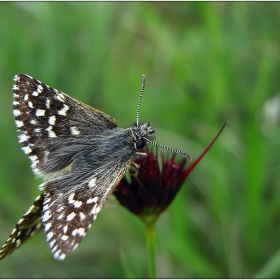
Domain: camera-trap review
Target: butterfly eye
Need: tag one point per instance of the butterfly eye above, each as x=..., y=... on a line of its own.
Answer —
x=140, y=143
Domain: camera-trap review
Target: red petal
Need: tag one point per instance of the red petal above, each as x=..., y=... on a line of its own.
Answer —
x=193, y=165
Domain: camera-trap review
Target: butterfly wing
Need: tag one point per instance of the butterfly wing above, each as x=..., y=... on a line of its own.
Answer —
x=28, y=226
x=45, y=115
x=67, y=216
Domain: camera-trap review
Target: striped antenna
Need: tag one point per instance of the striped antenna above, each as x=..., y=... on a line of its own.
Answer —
x=170, y=149
x=140, y=98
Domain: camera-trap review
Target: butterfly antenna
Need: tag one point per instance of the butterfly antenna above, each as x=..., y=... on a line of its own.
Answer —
x=170, y=149
x=140, y=98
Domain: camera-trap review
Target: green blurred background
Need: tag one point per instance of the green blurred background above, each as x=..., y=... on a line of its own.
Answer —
x=205, y=63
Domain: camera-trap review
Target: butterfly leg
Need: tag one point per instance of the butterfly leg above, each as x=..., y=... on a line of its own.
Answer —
x=134, y=169
x=141, y=154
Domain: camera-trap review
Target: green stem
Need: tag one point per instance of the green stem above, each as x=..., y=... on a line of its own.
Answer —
x=151, y=244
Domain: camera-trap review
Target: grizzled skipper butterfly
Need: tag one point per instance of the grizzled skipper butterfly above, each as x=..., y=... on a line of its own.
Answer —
x=81, y=154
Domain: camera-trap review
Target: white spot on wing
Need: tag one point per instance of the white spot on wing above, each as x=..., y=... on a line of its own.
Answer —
x=29, y=210
x=39, y=88
x=52, y=120
x=61, y=257
x=46, y=216
x=42, y=186
x=92, y=182
x=34, y=159
x=64, y=237
x=47, y=200
x=57, y=254
x=52, y=243
x=51, y=132
x=49, y=235
x=82, y=216
x=18, y=243
x=54, y=248
x=60, y=216
x=35, y=93
x=26, y=97
x=70, y=198
x=40, y=113
x=71, y=216
x=65, y=229
x=74, y=131
x=34, y=165
x=45, y=207
x=60, y=96
x=93, y=209
x=39, y=196
x=16, y=113
x=75, y=247
x=92, y=200
x=81, y=231
x=48, y=226
x=19, y=123
x=30, y=104
x=77, y=203
x=63, y=111
x=26, y=150
x=97, y=210
x=60, y=209
x=23, y=138
x=48, y=102
x=16, y=78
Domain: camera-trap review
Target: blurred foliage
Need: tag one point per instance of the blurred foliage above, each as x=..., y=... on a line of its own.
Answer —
x=205, y=63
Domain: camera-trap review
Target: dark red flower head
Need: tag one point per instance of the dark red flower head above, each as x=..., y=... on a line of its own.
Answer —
x=154, y=187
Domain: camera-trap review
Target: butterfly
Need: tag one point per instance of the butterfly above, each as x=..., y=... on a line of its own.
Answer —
x=80, y=153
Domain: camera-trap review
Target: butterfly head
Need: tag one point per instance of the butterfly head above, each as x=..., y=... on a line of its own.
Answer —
x=142, y=133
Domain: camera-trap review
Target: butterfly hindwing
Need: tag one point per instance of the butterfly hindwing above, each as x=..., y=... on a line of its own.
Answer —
x=68, y=215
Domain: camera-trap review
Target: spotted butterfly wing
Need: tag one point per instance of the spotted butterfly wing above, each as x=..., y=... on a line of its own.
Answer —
x=28, y=226
x=80, y=152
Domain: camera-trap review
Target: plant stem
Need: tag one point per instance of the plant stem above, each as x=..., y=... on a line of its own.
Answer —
x=150, y=228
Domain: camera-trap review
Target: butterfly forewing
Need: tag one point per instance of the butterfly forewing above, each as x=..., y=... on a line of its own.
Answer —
x=28, y=226
x=44, y=115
